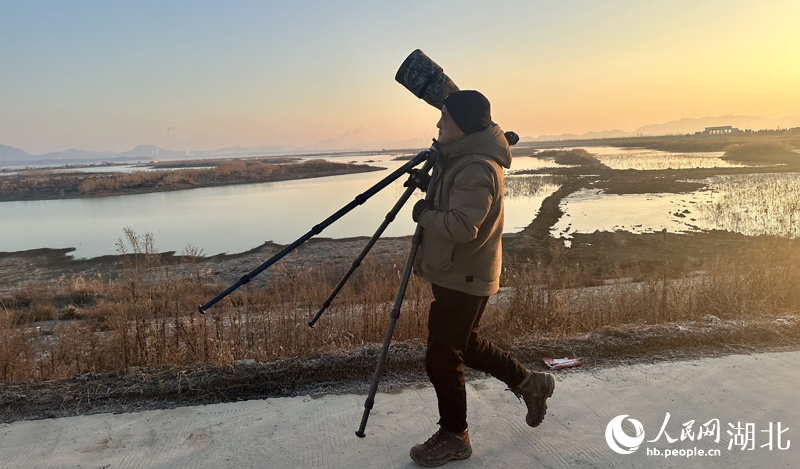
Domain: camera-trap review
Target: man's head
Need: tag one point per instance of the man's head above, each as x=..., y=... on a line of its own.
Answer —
x=463, y=113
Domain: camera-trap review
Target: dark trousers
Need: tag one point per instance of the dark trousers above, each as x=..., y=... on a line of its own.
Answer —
x=454, y=341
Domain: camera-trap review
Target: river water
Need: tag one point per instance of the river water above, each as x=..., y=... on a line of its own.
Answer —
x=227, y=219
x=233, y=219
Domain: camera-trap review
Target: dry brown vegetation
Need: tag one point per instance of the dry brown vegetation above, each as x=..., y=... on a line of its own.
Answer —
x=704, y=143
x=180, y=164
x=577, y=156
x=148, y=318
x=39, y=185
x=772, y=152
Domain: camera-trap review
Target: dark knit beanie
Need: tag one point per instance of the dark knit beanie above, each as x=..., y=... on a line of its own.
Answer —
x=470, y=110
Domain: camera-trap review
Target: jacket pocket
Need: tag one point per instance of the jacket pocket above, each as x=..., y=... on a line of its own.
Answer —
x=438, y=252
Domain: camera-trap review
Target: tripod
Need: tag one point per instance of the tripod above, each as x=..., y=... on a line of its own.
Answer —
x=401, y=291
x=429, y=156
x=386, y=221
x=426, y=155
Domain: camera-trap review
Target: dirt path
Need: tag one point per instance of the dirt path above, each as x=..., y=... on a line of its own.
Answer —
x=752, y=392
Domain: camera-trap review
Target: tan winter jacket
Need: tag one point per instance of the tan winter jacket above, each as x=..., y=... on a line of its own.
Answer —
x=461, y=238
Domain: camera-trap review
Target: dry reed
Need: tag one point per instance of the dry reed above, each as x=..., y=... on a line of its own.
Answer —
x=147, y=317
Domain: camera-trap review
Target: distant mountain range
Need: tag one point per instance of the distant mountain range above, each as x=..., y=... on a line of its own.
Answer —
x=679, y=127
x=10, y=156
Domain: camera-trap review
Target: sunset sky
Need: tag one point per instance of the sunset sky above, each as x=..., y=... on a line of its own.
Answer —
x=201, y=75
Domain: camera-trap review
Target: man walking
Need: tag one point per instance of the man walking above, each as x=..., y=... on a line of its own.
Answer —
x=460, y=255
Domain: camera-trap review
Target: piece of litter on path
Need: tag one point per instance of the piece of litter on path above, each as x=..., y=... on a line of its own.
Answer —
x=559, y=363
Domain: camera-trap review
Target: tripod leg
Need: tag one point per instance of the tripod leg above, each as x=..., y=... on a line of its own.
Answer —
x=394, y=316
x=356, y=263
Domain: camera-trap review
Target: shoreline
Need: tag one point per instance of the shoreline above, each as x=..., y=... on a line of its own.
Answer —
x=59, y=192
x=43, y=265
x=601, y=253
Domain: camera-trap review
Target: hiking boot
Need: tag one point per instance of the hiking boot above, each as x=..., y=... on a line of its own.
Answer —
x=534, y=390
x=441, y=448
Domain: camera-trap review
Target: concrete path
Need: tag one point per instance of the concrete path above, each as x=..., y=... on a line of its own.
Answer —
x=746, y=391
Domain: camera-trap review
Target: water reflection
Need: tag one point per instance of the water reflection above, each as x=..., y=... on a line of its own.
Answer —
x=755, y=204
x=751, y=204
x=590, y=210
x=523, y=199
x=644, y=159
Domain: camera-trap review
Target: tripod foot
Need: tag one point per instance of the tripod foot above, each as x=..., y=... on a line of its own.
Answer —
x=360, y=434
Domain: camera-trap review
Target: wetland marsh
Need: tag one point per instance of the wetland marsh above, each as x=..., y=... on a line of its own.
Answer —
x=720, y=276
